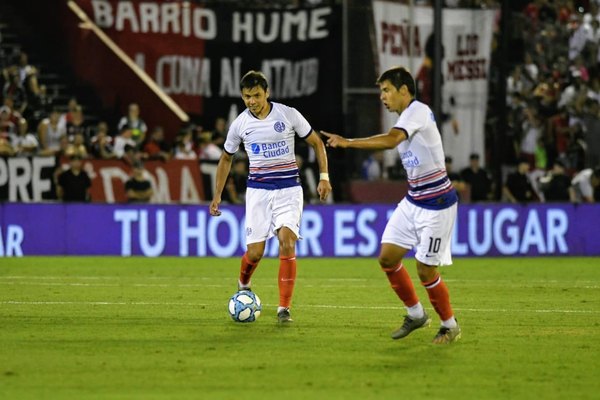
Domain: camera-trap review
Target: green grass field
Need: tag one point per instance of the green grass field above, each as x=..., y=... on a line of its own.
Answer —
x=137, y=328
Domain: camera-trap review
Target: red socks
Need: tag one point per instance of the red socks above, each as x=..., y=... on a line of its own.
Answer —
x=402, y=285
x=287, y=278
x=246, y=270
x=439, y=297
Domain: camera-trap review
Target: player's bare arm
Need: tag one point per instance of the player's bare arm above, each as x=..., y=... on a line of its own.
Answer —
x=382, y=141
x=324, y=187
x=223, y=169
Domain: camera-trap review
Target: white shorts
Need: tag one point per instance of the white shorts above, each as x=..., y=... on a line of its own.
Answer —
x=269, y=210
x=429, y=231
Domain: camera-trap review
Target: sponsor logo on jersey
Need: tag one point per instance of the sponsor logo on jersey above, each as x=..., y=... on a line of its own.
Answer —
x=279, y=126
x=270, y=150
x=409, y=160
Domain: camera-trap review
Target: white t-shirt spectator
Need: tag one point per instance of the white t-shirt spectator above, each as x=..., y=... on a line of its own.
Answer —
x=583, y=185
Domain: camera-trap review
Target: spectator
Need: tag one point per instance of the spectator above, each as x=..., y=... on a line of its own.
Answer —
x=184, y=147
x=14, y=89
x=558, y=132
x=77, y=147
x=131, y=155
x=14, y=115
x=576, y=151
x=591, y=130
x=556, y=185
x=309, y=186
x=42, y=104
x=122, y=141
x=518, y=188
x=372, y=166
x=531, y=69
x=478, y=179
x=71, y=106
x=457, y=181
x=586, y=186
x=25, y=143
x=6, y=148
x=516, y=84
x=532, y=133
x=235, y=188
x=102, y=147
x=28, y=75
x=134, y=123
x=207, y=150
x=77, y=125
x=50, y=130
x=156, y=147
x=74, y=184
x=7, y=126
x=577, y=36
x=138, y=188
x=219, y=132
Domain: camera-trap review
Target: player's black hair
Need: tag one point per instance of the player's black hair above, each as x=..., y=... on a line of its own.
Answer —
x=253, y=79
x=399, y=76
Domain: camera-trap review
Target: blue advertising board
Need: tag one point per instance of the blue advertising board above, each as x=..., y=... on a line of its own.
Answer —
x=327, y=231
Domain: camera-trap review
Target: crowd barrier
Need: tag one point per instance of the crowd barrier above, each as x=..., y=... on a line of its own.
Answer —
x=32, y=229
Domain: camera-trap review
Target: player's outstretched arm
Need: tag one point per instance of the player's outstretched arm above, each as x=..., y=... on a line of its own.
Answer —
x=377, y=142
x=223, y=169
x=324, y=187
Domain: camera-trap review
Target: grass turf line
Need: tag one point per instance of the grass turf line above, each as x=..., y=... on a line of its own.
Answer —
x=138, y=328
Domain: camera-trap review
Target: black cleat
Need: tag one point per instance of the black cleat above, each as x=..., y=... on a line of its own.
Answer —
x=410, y=324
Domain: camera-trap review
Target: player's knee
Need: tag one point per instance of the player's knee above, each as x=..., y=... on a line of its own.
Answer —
x=387, y=263
x=426, y=272
x=287, y=247
x=253, y=256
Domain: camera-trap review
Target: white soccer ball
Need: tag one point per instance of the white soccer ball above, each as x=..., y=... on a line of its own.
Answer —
x=244, y=306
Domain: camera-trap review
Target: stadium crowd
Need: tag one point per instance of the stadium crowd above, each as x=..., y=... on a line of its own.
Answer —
x=553, y=97
x=553, y=100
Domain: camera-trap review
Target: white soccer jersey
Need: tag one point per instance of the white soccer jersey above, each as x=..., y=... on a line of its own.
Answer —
x=422, y=156
x=269, y=143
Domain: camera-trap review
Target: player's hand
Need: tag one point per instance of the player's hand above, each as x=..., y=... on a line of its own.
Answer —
x=334, y=140
x=323, y=188
x=214, y=207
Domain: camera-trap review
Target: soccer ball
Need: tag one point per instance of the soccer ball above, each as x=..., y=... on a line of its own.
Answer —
x=244, y=306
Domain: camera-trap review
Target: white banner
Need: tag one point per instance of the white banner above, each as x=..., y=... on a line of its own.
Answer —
x=466, y=38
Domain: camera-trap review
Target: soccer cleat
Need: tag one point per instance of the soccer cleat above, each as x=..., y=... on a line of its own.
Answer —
x=241, y=286
x=410, y=324
x=447, y=335
x=284, y=316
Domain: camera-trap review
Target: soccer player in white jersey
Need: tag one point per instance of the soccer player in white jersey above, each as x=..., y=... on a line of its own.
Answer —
x=274, y=197
x=423, y=220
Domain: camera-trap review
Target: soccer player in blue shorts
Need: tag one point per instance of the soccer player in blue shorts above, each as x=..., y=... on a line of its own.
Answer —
x=274, y=197
x=424, y=218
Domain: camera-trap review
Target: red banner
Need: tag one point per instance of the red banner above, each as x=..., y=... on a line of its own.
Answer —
x=175, y=181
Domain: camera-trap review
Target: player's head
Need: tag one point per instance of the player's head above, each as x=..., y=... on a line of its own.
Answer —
x=255, y=92
x=398, y=77
x=254, y=79
x=397, y=88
